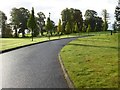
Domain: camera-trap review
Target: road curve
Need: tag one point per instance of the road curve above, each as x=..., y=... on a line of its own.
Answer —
x=35, y=66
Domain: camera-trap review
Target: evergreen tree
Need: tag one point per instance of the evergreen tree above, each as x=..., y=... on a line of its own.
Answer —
x=67, y=28
x=59, y=28
x=117, y=15
x=32, y=22
x=88, y=29
x=76, y=28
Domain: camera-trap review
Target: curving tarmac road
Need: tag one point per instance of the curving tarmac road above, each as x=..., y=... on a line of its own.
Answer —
x=35, y=66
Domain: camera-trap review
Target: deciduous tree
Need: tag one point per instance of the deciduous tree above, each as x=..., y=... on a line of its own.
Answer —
x=105, y=19
x=90, y=18
x=41, y=21
x=3, y=19
x=19, y=17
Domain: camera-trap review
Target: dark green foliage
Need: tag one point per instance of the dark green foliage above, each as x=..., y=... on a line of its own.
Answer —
x=105, y=19
x=41, y=21
x=15, y=20
x=88, y=29
x=76, y=28
x=19, y=19
x=23, y=17
x=95, y=22
x=3, y=19
x=117, y=15
x=50, y=25
x=6, y=30
x=99, y=24
x=72, y=16
x=77, y=18
x=105, y=26
x=114, y=26
x=84, y=28
x=59, y=28
x=90, y=18
x=67, y=28
x=32, y=23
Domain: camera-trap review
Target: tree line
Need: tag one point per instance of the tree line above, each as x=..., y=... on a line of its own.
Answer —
x=22, y=21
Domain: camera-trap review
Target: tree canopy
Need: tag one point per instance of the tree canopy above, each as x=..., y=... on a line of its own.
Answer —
x=19, y=17
x=72, y=16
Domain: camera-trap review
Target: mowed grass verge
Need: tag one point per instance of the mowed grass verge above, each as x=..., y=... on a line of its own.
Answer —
x=8, y=43
x=92, y=62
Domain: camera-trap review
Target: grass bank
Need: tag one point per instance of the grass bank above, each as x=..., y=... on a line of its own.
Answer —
x=92, y=62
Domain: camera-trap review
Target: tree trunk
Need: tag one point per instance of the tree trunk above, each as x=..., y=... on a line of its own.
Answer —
x=23, y=33
x=32, y=34
x=16, y=35
x=41, y=32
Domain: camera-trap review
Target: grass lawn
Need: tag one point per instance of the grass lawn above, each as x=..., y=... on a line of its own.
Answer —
x=92, y=62
x=7, y=43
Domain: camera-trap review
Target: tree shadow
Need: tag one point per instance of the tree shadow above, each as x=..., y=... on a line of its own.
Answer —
x=93, y=46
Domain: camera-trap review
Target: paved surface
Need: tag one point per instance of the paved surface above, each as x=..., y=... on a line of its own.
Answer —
x=35, y=66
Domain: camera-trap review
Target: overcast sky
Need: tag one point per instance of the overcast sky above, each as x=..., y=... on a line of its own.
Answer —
x=56, y=6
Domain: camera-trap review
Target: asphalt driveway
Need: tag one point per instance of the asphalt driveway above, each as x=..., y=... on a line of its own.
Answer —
x=35, y=66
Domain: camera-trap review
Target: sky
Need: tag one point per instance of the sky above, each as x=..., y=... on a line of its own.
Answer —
x=56, y=6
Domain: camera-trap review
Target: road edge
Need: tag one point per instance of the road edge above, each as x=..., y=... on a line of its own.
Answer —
x=66, y=76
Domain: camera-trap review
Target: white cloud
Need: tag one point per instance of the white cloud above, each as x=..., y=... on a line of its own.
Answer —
x=56, y=6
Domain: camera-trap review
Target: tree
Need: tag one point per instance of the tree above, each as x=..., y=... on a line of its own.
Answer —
x=67, y=28
x=15, y=20
x=8, y=30
x=76, y=28
x=72, y=16
x=23, y=17
x=114, y=26
x=49, y=26
x=84, y=28
x=3, y=19
x=41, y=21
x=66, y=17
x=19, y=17
x=117, y=15
x=90, y=18
x=52, y=23
x=88, y=29
x=99, y=24
x=32, y=22
x=77, y=18
x=59, y=28
x=105, y=19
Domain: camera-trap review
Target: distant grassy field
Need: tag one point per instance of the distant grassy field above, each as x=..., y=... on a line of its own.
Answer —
x=92, y=62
